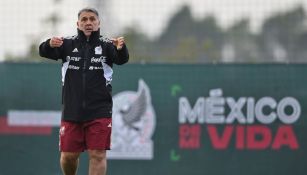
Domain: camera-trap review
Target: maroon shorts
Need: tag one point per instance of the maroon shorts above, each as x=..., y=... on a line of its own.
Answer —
x=90, y=135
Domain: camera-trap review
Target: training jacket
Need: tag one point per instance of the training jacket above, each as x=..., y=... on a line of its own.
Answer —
x=86, y=74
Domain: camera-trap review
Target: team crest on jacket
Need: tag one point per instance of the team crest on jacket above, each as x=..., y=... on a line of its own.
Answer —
x=133, y=124
x=98, y=50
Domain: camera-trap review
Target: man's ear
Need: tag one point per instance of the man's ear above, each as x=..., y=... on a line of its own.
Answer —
x=78, y=24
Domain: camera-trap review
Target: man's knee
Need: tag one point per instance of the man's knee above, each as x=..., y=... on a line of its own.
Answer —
x=69, y=157
x=97, y=155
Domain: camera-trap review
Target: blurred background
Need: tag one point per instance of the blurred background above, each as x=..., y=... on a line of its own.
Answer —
x=224, y=83
x=172, y=31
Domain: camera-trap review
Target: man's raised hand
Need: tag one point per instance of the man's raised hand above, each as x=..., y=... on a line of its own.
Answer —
x=56, y=42
x=118, y=42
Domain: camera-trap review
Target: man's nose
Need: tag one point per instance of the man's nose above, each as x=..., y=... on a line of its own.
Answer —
x=87, y=22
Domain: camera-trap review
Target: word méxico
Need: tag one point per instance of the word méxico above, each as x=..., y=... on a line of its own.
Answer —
x=212, y=110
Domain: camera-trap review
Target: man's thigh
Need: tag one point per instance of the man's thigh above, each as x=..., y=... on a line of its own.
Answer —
x=98, y=134
x=71, y=137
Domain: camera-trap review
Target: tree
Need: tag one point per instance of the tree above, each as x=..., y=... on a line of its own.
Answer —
x=281, y=34
x=242, y=42
x=187, y=40
x=140, y=47
x=32, y=55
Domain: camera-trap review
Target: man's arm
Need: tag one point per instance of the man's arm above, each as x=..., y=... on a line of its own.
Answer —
x=51, y=48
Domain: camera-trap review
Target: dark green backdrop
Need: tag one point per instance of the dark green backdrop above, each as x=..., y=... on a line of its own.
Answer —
x=38, y=87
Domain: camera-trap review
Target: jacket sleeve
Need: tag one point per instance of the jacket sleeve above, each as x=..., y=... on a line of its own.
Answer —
x=48, y=52
x=119, y=56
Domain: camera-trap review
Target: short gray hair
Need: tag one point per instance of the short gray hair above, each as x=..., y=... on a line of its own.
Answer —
x=88, y=9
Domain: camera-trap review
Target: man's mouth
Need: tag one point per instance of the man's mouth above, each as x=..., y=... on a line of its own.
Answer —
x=89, y=29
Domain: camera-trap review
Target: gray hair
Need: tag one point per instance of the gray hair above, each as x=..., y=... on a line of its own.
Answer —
x=88, y=9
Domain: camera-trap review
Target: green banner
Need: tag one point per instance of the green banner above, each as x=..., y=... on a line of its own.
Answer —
x=187, y=119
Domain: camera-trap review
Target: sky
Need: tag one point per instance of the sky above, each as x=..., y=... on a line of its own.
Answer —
x=22, y=21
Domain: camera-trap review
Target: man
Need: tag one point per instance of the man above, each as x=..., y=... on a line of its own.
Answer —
x=87, y=102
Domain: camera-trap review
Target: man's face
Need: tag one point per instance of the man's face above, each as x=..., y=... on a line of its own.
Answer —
x=88, y=22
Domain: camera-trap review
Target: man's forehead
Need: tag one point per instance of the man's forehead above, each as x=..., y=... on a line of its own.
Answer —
x=88, y=14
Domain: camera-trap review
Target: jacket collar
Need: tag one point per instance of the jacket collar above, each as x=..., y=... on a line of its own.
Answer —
x=94, y=36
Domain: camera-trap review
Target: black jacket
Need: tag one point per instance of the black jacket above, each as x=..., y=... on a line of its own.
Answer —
x=86, y=74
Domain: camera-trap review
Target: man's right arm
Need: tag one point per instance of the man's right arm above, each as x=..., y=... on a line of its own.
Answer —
x=51, y=48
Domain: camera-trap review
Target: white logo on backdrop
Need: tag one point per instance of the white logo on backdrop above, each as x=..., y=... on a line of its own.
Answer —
x=133, y=124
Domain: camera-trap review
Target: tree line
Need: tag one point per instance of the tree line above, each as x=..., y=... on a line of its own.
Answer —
x=282, y=39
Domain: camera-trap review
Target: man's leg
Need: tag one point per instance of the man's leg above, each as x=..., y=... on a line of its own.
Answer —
x=98, y=162
x=69, y=162
x=98, y=140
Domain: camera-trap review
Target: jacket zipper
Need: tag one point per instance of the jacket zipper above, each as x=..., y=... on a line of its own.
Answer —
x=84, y=72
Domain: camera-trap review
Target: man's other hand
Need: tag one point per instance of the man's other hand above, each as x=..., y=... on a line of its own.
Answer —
x=56, y=42
x=118, y=42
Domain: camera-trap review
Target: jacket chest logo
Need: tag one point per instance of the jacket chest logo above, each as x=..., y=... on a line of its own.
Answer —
x=75, y=50
x=98, y=50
